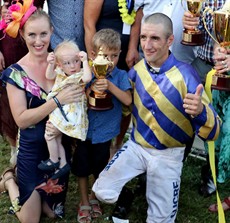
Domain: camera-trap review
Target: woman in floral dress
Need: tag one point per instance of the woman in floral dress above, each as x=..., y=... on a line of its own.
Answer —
x=11, y=50
x=27, y=89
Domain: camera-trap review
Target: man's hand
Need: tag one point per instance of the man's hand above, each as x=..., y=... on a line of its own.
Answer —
x=132, y=57
x=190, y=21
x=192, y=102
x=222, y=59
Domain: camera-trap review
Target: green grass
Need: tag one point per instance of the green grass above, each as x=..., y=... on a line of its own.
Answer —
x=192, y=207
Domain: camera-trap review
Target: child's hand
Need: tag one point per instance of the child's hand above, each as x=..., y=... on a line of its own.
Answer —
x=83, y=56
x=51, y=58
x=101, y=84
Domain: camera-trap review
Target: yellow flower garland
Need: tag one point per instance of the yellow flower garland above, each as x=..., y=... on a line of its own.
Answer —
x=126, y=17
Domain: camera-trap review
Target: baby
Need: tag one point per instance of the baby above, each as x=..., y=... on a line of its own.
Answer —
x=65, y=67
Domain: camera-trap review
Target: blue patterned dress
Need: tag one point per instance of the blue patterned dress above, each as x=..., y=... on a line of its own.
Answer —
x=33, y=148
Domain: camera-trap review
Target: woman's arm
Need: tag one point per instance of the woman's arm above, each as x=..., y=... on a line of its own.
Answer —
x=132, y=56
x=25, y=117
x=92, y=10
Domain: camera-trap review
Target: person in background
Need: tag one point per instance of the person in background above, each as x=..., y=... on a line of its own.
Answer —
x=100, y=14
x=65, y=67
x=169, y=105
x=92, y=155
x=67, y=20
x=173, y=9
x=9, y=46
x=221, y=102
x=33, y=194
x=203, y=63
x=225, y=205
x=11, y=50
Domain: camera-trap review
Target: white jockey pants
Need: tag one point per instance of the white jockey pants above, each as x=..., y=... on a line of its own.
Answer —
x=163, y=169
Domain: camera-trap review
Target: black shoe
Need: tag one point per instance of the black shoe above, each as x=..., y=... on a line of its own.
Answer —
x=123, y=204
x=61, y=172
x=141, y=185
x=207, y=189
x=48, y=165
x=120, y=212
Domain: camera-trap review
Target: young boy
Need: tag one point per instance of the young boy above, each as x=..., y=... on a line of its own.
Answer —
x=92, y=155
x=65, y=67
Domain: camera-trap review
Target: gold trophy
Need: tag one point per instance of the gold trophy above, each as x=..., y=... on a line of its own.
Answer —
x=193, y=37
x=99, y=100
x=221, y=27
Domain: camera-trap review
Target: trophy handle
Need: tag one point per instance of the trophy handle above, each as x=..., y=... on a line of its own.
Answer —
x=205, y=25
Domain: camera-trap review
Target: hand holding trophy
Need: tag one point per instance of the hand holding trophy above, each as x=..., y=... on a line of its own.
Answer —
x=100, y=100
x=221, y=27
x=193, y=37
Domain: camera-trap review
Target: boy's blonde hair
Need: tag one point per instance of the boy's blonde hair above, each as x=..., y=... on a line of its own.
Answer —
x=107, y=38
x=66, y=44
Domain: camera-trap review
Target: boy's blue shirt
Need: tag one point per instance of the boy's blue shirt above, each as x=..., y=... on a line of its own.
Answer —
x=105, y=125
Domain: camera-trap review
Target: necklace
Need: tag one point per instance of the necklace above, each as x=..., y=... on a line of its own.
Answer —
x=127, y=14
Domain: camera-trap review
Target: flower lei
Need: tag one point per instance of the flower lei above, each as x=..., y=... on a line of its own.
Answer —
x=126, y=17
x=19, y=14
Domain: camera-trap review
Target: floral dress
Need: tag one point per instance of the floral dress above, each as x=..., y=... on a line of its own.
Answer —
x=33, y=148
x=72, y=118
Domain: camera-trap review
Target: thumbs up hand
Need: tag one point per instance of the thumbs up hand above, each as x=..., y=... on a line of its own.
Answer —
x=192, y=102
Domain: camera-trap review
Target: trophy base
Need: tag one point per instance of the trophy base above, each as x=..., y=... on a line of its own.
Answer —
x=100, y=104
x=221, y=82
x=193, y=38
